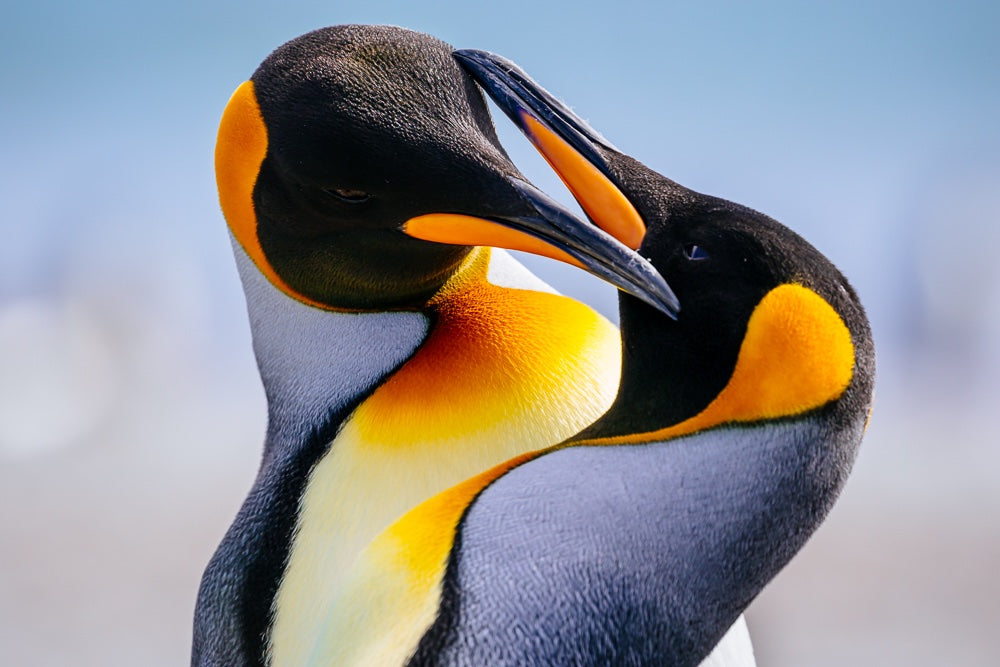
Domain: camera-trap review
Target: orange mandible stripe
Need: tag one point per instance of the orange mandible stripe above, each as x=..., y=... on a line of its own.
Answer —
x=600, y=198
x=460, y=229
x=796, y=355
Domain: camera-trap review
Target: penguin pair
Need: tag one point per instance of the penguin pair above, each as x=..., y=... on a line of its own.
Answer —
x=394, y=367
x=642, y=538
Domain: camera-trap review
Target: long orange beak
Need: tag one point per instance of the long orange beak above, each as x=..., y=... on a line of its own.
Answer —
x=571, y=147
x=542, y=226
x=553, y=232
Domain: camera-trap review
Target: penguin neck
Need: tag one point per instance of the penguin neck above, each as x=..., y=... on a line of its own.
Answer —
x=315, y=363
x=316, y=366
x=665, y=383
x=792, y=356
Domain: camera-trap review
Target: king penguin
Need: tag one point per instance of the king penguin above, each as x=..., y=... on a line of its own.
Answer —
x=641, y=539
x=357, y=169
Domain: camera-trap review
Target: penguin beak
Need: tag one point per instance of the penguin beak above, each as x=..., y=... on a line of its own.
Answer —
x=552, y=231
x=571, y=147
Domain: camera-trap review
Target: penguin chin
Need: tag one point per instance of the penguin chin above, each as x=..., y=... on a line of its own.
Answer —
x=362, y=270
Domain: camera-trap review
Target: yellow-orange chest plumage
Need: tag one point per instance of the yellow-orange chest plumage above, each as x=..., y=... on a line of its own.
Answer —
x=503, y=371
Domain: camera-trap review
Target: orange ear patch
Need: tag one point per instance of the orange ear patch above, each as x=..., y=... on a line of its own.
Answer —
x=796, y=355
x=239, y=151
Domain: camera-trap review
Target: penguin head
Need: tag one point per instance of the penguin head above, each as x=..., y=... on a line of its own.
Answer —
x=767, y=325
x=359, y=164
x=762, y=308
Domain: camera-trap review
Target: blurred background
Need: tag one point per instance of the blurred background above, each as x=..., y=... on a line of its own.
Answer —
x=131, y=414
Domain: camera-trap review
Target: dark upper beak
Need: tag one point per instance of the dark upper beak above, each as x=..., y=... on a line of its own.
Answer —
x=573, y=149
x=552, y=231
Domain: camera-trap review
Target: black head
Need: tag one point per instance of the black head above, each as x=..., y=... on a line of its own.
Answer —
x=363, y=128
x=722, y=259
x=359, y=164
x=757, y=302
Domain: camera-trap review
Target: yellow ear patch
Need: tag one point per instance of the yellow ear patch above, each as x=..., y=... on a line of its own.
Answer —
x=796, y=355
x=240, y=149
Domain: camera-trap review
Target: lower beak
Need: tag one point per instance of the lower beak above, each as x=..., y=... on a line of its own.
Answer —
x=552, y=231
x=573, y=149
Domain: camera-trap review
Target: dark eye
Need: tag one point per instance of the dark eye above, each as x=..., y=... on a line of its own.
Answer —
x=347, y=195
x=695, y=252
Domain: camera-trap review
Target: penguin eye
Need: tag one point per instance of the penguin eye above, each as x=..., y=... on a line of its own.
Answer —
x=347, y=195
x=695, y=252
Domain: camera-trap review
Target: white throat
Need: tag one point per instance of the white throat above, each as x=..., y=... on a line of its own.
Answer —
x=314, y=361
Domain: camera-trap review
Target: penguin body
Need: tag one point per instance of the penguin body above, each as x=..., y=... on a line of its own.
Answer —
x=643, y=538
x=345, y=456
x=394, y=366
x=471, y=395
